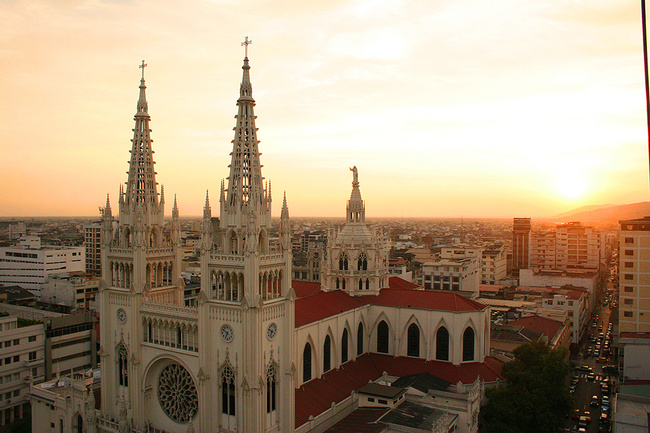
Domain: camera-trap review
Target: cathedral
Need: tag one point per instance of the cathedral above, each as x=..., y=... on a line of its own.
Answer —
x=260, y=352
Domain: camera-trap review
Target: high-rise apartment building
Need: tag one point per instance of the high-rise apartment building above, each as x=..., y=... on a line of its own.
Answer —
x=520, y=243
x=578, y=246
x=634, y=276
x=92, y=244
x=493, y=264
x=568, y=246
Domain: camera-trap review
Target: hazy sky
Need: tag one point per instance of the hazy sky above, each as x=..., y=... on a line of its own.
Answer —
x=493, y=108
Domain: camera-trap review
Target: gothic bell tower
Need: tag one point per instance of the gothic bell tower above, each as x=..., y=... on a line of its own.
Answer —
x=246, y=303
x=140, y=262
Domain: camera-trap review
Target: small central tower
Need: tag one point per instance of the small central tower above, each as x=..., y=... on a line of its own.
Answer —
x=246, y=304
x=356, y=259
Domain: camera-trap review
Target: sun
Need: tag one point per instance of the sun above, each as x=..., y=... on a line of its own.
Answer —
x=571, y=185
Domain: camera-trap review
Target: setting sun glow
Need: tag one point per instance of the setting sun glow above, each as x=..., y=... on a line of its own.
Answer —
x=475, y=109
x=571, y=186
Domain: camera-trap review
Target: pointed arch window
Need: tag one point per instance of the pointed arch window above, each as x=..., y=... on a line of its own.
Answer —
x=123, y=366
x=360, y=284
x=360, y=339
x=382, y=337
x=442, y=344
x=327, y=354
x=367, y=284
x=413, y=341
x=338, y=283
x=271, y=388
x=80, y=423
x=468, y=344
x=306, y=363
x=362, y=262
x=344, y=346
x=228, y=391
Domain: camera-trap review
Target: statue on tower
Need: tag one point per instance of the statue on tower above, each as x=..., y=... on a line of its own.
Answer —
x=355, y=174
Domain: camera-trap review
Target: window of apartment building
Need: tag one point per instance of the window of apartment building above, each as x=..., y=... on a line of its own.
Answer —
x=16, y=341
x=627, y=289
x=629, y=252
x=571, y=303
x=16, y=358
x=629, y=264
x=629, y=240
x=628, y=301
x=628, y=313
x=7, y=395
x=16, y=393
x=7, y=343
x=628, y=276
x=32, y=356
x=32, y=338
x=34, y=371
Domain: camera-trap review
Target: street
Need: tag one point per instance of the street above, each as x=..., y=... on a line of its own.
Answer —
x=588, y=375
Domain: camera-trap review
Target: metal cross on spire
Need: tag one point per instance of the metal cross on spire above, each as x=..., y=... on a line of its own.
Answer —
x=245, y=44
x=142, y=66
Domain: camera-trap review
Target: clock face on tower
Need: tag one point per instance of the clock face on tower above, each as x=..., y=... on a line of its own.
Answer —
x=121, y=315
x=271, y=331
x=227, y=333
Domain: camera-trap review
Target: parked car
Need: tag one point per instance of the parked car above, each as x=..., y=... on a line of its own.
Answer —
x=594, y=400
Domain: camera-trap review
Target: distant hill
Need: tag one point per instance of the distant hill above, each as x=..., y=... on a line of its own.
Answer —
x=605, y=213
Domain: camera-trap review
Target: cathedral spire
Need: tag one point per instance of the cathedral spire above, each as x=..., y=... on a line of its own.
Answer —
x=245, y=181
x=175, y=208
x=107, y=209
x=141, y=186
x=285, y=209
x=356, y=208
x=207, y=212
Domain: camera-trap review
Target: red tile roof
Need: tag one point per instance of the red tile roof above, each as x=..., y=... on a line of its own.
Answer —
x=305, y=288
x=400, y=283
x=317, y=395
x=323, y=305
x=424, y=299
x=315, y=305
x=548, y=327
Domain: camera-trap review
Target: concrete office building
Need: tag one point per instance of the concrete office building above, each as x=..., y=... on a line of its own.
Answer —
x=29, y=264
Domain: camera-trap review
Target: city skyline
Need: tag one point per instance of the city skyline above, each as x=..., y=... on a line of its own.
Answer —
x=488, y=109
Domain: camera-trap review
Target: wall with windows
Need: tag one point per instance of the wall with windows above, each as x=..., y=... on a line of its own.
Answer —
x=21, y=358
x=447, y=336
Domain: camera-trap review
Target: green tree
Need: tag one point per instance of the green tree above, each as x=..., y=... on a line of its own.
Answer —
x=535, y=397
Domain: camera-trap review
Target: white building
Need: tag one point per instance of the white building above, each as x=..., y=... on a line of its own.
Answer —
x=455, y=269
x=29, y=264
x=560, y=278
x=73, y=289
x=568, y=246
x=256, y=351
x=493, y=264
x=21, y=359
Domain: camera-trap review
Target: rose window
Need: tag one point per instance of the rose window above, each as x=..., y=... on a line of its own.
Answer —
x=177, y=393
